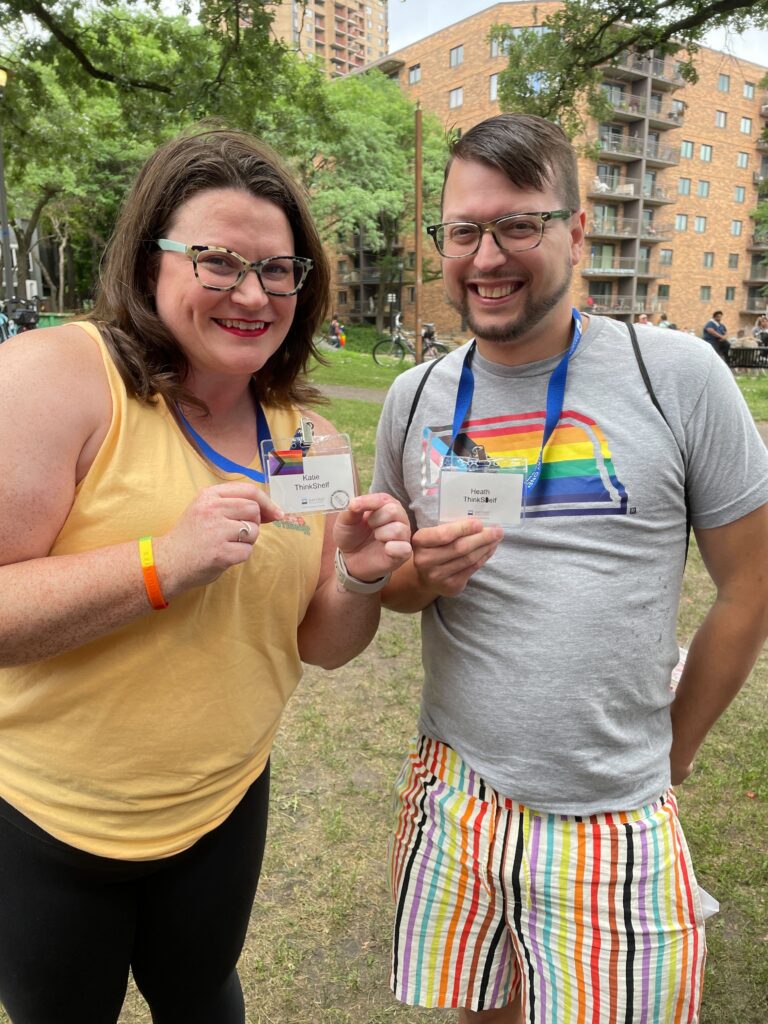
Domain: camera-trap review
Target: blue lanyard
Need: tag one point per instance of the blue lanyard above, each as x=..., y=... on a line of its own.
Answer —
x=262, y=434
x=555, y=397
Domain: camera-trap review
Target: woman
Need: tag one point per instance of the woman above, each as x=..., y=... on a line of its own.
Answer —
x=156, y=609
x=760, y=331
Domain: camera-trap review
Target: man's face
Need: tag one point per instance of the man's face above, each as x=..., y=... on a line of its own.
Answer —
x=522, y=298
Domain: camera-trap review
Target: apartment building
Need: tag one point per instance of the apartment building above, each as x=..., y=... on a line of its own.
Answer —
x=668, y=199
x=346, y=35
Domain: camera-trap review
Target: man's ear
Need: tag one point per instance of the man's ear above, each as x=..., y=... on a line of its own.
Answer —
x=578, y=228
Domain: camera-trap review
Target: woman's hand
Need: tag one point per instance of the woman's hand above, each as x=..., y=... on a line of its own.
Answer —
x=217, y=530
x=373, y=534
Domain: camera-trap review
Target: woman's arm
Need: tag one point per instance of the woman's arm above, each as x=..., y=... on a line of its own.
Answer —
x=55, y=410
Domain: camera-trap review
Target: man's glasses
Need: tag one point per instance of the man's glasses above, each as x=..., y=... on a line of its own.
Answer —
x=515, y=232
x=221, y=269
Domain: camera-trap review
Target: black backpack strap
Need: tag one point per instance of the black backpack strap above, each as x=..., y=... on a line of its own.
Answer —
x=654, y=399
x=415, y=402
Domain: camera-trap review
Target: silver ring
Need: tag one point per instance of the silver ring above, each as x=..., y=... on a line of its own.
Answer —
x=244, y=532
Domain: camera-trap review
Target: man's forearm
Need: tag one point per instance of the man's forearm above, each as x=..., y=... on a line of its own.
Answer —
x=406, y=591
x=720, y=659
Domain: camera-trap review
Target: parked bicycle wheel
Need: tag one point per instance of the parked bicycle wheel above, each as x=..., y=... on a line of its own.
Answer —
x=389, y=352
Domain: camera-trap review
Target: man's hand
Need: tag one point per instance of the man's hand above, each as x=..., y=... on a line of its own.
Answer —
x=446, y=556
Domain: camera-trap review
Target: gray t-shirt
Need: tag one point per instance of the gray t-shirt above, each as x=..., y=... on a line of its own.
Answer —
x=550, y=673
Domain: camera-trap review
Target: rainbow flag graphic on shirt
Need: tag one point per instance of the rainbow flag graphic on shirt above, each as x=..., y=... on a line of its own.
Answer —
x=285, y=463
x=577, y=478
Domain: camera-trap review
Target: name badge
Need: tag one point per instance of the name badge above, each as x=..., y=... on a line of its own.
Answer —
x=310, y=473
x=492, y=490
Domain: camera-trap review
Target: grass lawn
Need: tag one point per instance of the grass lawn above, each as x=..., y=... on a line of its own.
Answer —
x=317, y=951
x=355, y=369
x=755, y=391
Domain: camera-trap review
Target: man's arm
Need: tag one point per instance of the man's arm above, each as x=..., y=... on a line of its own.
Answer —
x=444, y=558
x=728, y=642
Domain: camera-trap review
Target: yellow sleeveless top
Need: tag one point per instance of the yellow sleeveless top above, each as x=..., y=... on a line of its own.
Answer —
x=135, y=745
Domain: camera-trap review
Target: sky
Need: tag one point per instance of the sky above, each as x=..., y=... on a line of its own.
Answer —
x=410, y=20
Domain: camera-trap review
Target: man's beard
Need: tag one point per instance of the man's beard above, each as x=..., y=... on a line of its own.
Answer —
x=532, y=313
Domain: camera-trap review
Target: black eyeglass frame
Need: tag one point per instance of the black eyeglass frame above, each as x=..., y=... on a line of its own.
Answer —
x=489, y=225
x=193, y=251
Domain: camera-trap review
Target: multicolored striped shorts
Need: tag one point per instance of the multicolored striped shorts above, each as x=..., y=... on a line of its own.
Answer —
x=595, y=919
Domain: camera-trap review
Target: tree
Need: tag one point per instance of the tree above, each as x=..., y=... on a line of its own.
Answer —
x=555, y=70
x=361, y=176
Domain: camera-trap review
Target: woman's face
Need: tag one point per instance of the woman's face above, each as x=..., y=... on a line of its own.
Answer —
x=230, y=333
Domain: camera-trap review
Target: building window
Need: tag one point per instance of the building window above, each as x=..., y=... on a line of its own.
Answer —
x=736, y=226
x=700, y=225
x=665, y=257
x=686, y=149
x=411, y=294
x=414, y=74
x=705, y=153
x=684, y=186
x=746, y=125
x=456, y=56
x=733, y=260
x=749, y=90
x=341, y=298
x=705, y=293
x=739, y=194
x=709, y=260
x=721, y=119
x=730, y=294
x=742, y=160
x=702, y=189
x=681, y=222
x=456, y=98
x=677, y=108
x=663, y=291
x=724, y=83
x=493, y=87
x=499, y=49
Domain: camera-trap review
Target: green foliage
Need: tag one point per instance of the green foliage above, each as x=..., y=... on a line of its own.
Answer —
x=554, y=71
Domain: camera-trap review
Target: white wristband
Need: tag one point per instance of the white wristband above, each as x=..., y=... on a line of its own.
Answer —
x=353, y=585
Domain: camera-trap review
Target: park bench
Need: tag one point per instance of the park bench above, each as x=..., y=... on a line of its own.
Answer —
x=748, y=359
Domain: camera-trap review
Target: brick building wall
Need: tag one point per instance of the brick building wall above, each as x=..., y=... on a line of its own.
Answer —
x=651, y=266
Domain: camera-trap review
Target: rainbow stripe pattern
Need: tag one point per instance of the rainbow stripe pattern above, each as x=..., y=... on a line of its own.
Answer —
x=593, y=920
x=286, y=463
x=578, y=476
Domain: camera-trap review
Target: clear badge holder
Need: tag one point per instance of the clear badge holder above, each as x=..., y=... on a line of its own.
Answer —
x=489, y=489
x=309, y=472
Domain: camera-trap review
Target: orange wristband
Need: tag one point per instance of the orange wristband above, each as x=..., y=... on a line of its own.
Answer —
x=151, y=582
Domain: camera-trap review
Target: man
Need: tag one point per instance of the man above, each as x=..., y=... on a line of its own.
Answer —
x=715, y=333
x=538, y=865
x=642, y=318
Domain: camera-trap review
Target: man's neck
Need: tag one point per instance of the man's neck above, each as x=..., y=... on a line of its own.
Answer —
x=551, y=340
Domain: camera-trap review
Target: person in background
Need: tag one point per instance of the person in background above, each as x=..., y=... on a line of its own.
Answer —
x=760, y=331
x=334, y=332
x=642, y=319
x=157, y=605
x=663, y=321
x=715, y=333
x=537, y=863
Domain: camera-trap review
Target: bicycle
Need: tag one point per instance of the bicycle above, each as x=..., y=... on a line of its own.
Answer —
x=393, y=350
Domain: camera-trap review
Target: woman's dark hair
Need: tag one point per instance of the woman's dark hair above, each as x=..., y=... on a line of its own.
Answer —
x=531, y=151
x=150, y=360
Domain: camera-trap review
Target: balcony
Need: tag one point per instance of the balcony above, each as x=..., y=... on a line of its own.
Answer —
x=756, y=305
x=762, y=145
x=614, y=188
x=656, y=232
x=758, y=241
x=758, y=179
x=622, y=147
x=764, y=107
x=609, y=266
x=612, y=227
x=631, y=66
x=663, y=115
x=757, y=275
x=655, y=153
x=648, y=268
x=610, y=304
x=657, y=194
x=628, y=108
x=665, y=74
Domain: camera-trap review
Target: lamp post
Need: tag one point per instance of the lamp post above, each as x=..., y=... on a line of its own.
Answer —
x=4, y=226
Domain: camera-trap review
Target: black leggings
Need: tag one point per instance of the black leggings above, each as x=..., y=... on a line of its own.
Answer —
x=71, y=924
